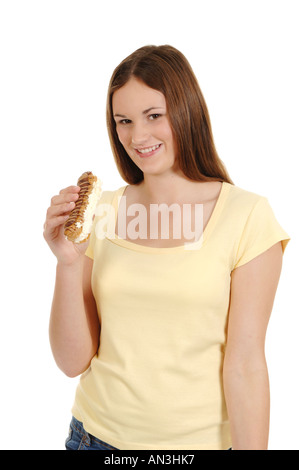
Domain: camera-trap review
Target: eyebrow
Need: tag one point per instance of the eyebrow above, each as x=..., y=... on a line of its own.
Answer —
x=143, y=112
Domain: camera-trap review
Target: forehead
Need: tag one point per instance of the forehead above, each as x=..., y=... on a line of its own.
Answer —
x=135, y=95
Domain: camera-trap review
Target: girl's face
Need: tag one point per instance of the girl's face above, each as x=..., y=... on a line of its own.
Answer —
x=143, y=127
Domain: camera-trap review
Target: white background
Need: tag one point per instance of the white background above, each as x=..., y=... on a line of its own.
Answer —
x=56, y=59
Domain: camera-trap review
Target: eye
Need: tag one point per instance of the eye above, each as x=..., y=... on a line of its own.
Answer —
x=124, y=121
x=153, y=117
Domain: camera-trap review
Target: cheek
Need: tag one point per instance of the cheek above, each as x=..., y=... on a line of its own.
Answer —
x=122, y=135
x=168, y=136
x=165, y=130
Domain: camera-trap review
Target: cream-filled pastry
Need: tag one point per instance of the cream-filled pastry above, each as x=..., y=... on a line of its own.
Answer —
x=78, y=226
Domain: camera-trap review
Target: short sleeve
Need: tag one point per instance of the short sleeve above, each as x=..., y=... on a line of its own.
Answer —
x=261, y=231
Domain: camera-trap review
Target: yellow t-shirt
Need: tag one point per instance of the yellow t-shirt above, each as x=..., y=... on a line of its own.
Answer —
x=156, y=381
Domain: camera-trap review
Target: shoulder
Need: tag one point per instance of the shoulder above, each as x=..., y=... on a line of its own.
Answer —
x=242, y=204
x=244, y=198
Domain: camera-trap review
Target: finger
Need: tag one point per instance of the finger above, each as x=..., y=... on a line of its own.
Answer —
x=54, y=222
x=70, y=189
x=64, y=198
x=60, y=209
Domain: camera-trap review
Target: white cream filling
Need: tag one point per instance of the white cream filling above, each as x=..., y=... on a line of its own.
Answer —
x=89, y=212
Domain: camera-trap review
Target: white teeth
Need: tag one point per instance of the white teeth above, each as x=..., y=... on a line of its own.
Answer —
x=150, y=149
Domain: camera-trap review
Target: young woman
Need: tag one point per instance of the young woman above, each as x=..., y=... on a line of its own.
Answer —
x=167, y=330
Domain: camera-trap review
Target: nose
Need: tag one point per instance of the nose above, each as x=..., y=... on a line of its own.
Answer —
x=139, y=135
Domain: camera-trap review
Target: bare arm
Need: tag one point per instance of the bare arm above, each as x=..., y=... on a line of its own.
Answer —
x=245, y=375
x=74, y=325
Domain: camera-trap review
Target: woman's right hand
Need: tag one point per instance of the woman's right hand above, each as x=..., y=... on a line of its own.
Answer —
x=62, y=204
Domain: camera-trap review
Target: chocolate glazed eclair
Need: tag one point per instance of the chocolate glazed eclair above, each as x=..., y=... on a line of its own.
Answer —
x=78, y=226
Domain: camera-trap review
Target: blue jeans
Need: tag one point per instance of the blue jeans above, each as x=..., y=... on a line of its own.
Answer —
x=79, y=439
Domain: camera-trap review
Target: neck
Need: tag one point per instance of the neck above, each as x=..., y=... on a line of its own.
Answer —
x=168, y=188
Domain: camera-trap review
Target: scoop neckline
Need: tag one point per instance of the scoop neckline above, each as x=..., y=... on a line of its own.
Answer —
x=186, y=247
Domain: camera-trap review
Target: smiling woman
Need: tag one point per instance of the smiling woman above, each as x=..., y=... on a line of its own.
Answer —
x=166, y=75
x=168, y=334
x=146, y=136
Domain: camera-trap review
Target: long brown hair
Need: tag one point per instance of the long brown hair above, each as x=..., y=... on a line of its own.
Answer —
x=167, y=70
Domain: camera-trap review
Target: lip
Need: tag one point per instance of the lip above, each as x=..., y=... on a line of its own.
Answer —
x=148, y=154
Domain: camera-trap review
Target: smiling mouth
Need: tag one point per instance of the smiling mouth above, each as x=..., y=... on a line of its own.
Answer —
x=148, y=150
